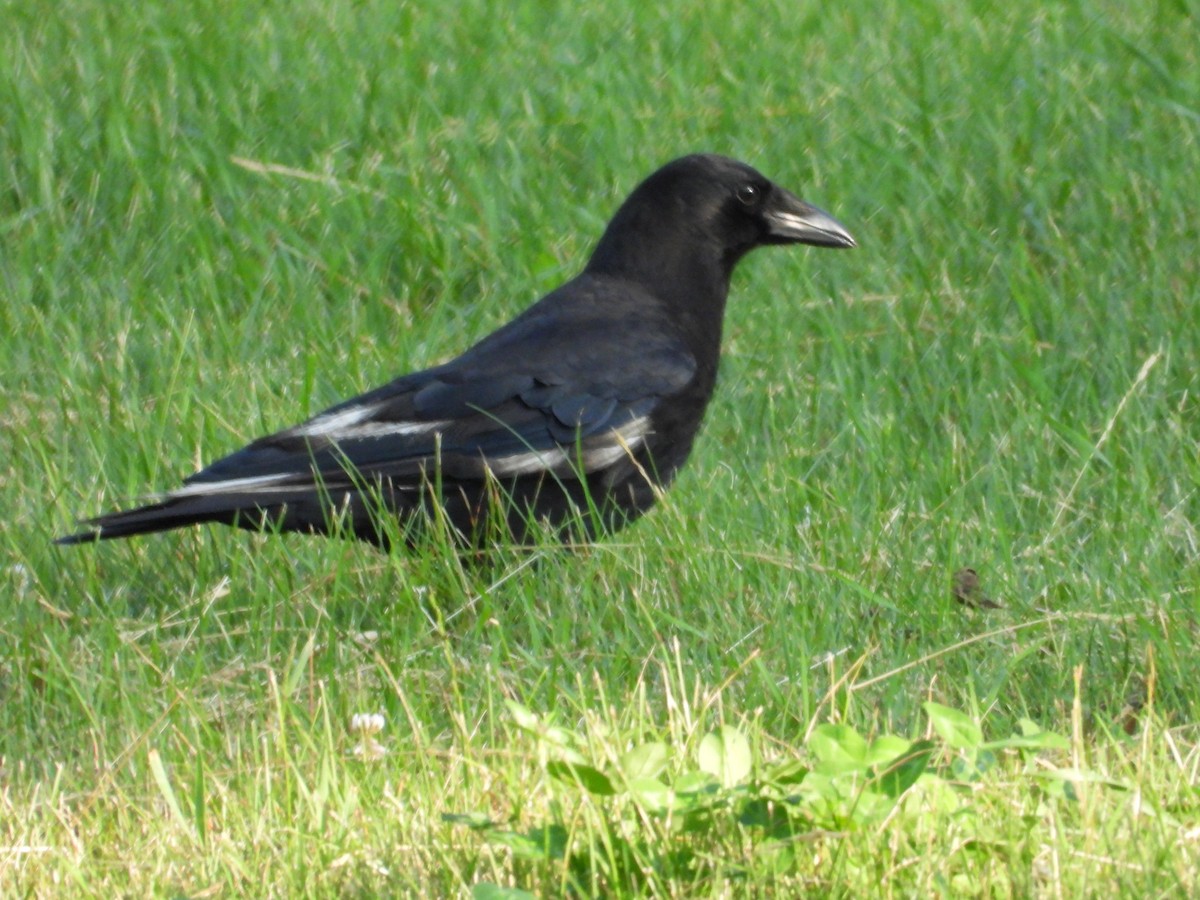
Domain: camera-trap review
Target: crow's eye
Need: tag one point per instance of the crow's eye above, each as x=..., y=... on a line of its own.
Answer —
x=749, y=195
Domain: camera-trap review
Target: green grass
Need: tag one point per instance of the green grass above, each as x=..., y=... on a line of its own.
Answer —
x=214, y=222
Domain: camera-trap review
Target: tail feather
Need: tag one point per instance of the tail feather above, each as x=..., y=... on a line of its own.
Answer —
x=303, y=508
x=164, y=516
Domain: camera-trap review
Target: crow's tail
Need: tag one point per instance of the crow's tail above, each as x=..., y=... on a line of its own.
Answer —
x=171, y=513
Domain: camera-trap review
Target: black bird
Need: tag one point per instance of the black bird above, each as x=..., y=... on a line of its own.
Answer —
x=578, y=412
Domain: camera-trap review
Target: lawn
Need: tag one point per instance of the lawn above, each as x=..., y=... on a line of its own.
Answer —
x=219, y=218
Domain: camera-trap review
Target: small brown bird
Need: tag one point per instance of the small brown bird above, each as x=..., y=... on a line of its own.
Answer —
x=966, y=590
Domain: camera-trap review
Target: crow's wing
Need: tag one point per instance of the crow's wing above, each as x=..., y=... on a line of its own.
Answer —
x=561, y=392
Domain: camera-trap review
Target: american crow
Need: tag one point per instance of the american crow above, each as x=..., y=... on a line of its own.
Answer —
x=580, y=410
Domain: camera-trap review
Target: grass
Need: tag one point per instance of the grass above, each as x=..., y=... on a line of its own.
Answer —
x=216, y=221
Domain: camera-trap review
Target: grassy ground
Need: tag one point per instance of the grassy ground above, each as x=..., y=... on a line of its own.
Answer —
x=216, y=221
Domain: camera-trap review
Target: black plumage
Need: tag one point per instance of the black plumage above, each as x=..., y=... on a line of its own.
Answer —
x=580, y=410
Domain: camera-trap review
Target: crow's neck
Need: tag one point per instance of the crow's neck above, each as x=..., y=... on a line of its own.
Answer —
x=678, y=266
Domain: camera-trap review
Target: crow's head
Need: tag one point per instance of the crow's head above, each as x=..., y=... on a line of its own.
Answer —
x=706, y=207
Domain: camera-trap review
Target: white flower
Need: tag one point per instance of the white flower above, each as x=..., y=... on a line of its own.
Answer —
x=367, y=723
x=370, y=749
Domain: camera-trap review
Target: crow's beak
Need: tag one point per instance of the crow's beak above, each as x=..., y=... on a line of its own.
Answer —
x=792, y=221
